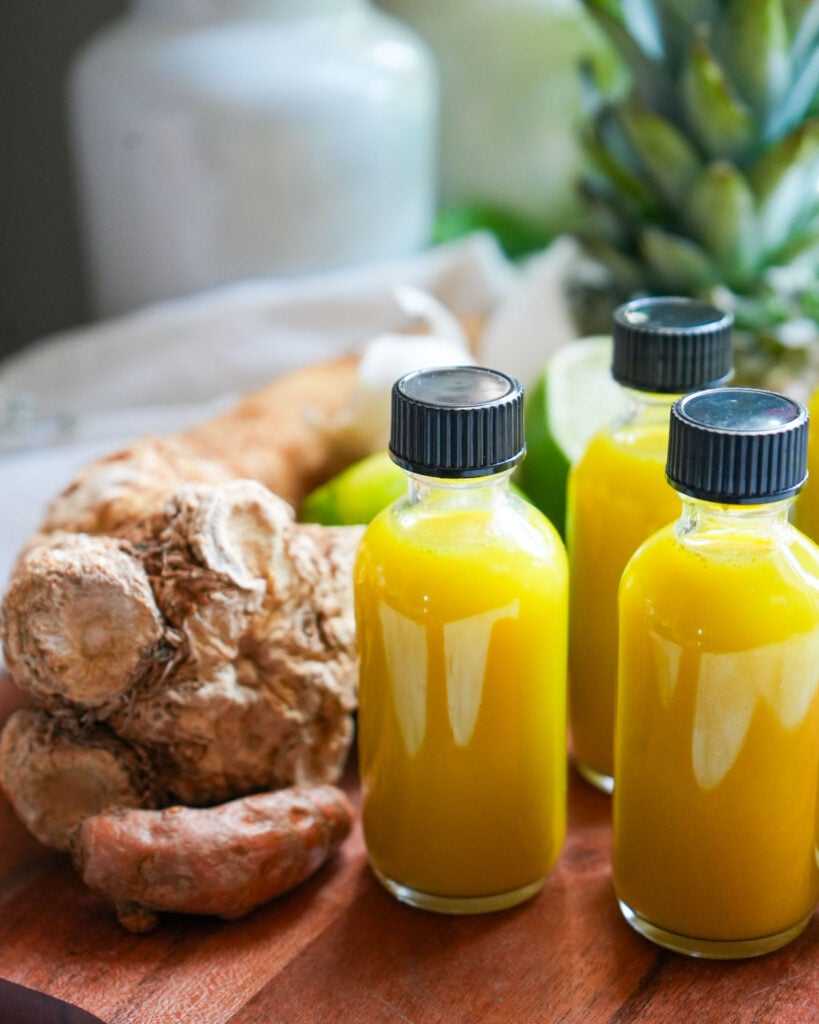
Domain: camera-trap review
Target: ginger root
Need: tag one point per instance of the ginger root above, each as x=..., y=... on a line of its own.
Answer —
x=182, y=638
x=212, y=644
x=224, y=860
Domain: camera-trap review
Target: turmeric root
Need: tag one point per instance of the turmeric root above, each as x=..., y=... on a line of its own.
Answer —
x=224, y=860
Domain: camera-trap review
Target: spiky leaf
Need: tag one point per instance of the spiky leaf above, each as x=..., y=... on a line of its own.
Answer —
x=756, y=39
x=676, y=263
x=803, y=94
x=670, y=160
x=721, y=215
x=641, y=20
x=647, y=77
x=786, y=183
x=719, y=120
x=613, y=160
x=803, y=20
x=624, y=271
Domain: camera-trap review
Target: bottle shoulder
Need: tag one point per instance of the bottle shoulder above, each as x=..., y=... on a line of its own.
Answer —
x=780, y=555
x=511, y=527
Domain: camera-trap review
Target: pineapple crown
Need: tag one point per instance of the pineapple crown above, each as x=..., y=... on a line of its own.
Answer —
x=703, y=174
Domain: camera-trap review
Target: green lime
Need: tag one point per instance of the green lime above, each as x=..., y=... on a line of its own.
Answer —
x=574, y=397
x=356, y=494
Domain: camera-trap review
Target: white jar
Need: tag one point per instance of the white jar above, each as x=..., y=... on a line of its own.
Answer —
x=510, y=99
x=222, y=139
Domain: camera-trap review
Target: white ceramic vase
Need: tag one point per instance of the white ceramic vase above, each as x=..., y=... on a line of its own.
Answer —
x=223, y=139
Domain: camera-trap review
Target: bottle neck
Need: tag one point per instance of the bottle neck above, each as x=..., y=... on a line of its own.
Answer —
x=708, y=518
x=458, y=492
x=647, y=408
x=193, y=11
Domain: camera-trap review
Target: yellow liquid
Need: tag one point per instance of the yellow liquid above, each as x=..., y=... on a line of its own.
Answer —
x=807, y=504
x=715, y=807
x=618, y=497
x=462, y=621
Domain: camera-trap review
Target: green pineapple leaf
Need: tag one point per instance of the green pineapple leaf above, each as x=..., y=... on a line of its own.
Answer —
x=785, y=181
x=803, y=22
x=803, y=251
x=721, y=214
x=676, y=263
x=647, y=77
x=802, y=97
x=604, y=214
x=721, y=123
x=670, y=160
x=756, y=41
x=608, y=150
x=624, y=271
x=641, y=19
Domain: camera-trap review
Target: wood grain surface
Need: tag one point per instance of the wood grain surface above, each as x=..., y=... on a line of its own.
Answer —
x=340, y=949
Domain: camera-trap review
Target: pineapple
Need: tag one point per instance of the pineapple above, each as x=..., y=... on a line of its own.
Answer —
x=703, y=172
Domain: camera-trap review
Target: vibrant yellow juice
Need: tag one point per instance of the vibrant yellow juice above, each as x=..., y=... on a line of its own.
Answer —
x=715, y=807
x=618, y=497
x=462, y=621
x=807, y=504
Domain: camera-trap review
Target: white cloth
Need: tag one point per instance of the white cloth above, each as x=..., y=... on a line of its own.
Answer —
x=159, y=370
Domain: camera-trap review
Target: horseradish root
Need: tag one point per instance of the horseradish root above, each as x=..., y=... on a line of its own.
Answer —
x=224, y=860
x=282, y=436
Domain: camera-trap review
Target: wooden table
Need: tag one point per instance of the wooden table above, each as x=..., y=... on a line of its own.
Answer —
x=340, y=950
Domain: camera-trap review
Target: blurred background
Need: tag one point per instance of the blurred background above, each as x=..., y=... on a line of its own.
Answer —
x=41, y=287
x=512, y=94
x=222, y=140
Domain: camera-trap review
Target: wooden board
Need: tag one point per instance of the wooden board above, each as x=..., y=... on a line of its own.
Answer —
x=340, y=950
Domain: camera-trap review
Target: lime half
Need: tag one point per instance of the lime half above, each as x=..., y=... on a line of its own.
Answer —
x=356, y=494
x=573, y=398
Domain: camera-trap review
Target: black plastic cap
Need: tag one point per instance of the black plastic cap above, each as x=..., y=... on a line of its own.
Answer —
x=671, y=345
x=456, y=421
x=737, y=446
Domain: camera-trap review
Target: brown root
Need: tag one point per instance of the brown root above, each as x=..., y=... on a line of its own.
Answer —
x=80, y=623
x=55, y=779
x=223, y=860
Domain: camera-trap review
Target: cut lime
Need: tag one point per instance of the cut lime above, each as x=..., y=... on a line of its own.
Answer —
x=574, y=397
x=356, y=494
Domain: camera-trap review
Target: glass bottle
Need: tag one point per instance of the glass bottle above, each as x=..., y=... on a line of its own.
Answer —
x=217, y=140
x=717, y=747
x=618, y=497
x=461, y=611
x=806, y=514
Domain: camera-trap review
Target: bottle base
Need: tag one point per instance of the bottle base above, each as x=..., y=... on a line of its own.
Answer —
x=711, y=949
x=458, y=904
x=601, y=781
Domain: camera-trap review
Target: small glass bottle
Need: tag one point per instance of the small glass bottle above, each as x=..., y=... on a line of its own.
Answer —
x=618, y=496
x=717, y=746
x=461, y=610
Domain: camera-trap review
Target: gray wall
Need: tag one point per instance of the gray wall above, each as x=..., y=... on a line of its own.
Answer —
x=41, y=288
